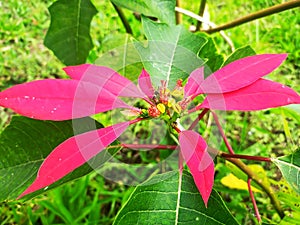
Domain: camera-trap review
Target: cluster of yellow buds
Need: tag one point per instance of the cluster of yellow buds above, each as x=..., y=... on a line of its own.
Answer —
x=166, y=101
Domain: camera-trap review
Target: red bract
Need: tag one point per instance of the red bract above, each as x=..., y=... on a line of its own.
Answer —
x=239, y=86
x=94, y=89
x=105, y=78
x=73, y=153
x=194, y=151
x=261, y=94
x=54, y=99
x=239, y=74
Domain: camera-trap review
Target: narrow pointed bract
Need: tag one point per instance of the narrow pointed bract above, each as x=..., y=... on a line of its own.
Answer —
x=57, y=99
x=193, y=82
x=106, y=78
x=262, y=94
x=73, y=153
x=240, y=73
x=145, y=84
x=194, y=151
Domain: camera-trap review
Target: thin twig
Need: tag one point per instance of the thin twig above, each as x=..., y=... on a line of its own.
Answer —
x=201, y=12
x=123, y=18
x=253, y=16
x=209, y=23
x=253, y=200
x=195, y=16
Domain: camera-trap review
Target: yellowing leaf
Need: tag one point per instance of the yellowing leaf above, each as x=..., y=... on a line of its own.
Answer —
x=257, y=169
x=233, y=182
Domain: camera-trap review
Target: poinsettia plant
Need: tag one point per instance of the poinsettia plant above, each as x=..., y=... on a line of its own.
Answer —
x=236, y=86
x=174, y=83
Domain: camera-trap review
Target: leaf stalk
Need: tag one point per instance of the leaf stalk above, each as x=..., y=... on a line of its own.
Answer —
x=123, y=18
x=148, y=146
x=253, y=200
x=248, y=157
x=222, y=133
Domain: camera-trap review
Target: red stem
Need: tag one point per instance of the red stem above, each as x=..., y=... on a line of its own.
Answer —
x=177, y=129
x=200, y=116
x=146, y=99
x=222, y=133
x=248, y=157
x=135, y=121
x=253, y=200
x=149, y=146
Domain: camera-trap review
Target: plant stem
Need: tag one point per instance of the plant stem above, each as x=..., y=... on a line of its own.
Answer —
x=178, y=15
x=253, y=16
x=200, y=116
x=266, y=187
x=222, y=133
x=201, y=11
x=253, y=200
x=248, y=157
x=177, y=129
x=123, y=18
x=136, y=120
x=148, y=146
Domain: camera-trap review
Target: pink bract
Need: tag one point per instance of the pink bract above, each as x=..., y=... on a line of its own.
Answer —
x=73, y=153
x=194, y=150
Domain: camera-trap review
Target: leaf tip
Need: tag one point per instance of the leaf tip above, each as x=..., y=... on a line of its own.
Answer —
x=77, y=71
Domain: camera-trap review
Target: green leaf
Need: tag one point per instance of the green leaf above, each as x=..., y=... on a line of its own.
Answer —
x=210, y=54
x=171, y=198
x=162, y=10
x=290, y=169
x=292, y=111
x=171, y=52
x=290, y=200
x=294, y=107
x=25, y=143
x=68, y=36
x=240, y=53
x=120, y=55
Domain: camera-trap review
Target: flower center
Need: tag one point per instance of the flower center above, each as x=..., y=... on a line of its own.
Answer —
x=167, y=103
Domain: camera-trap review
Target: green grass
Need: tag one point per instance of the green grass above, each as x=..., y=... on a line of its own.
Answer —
x=94, y=200
x=23, y=57
x=89, y=200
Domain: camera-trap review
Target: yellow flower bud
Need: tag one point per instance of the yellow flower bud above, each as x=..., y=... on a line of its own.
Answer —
x=161, y=107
